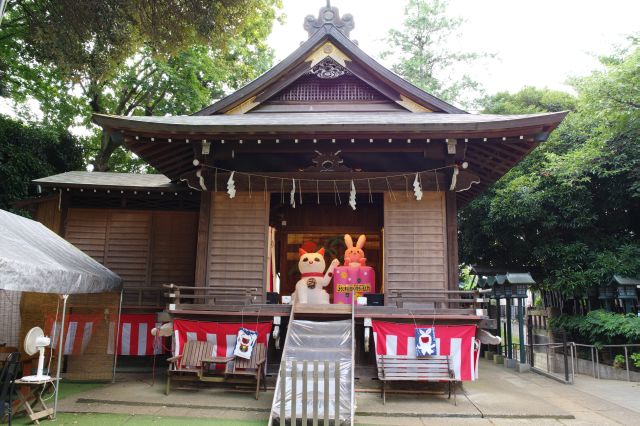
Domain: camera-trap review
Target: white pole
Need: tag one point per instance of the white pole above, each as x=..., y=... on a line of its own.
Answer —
x=60, y=353
x=117, y=339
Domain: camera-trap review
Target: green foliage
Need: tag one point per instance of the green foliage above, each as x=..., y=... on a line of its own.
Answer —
x=29, y=152
x=635, y=357
x=600, y=327
x=529, y=100
x=570, y=212
x=126, y=57
x=618, y=361
x=423, y=59
x=467, y=280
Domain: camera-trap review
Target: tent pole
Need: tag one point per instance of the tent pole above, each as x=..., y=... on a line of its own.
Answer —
x=60, y=353
x=117, y=339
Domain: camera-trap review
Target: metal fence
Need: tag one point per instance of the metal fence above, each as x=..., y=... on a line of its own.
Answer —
x=563, y=359
x=603, y=370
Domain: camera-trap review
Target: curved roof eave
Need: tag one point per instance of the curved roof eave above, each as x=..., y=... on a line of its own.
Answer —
x=329, y=122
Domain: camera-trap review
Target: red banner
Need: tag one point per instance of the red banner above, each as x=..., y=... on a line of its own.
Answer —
x=457, y=341
x=222, y=335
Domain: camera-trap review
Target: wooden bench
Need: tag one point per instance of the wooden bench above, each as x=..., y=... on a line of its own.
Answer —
x=236, y=367
x=435, y=368
x=189, y=362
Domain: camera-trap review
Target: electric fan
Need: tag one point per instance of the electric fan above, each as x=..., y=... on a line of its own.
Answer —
x=36, y=341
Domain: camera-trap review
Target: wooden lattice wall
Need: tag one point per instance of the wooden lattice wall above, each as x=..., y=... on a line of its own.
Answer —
x=238, y=242
x=415, y=242
x=146, y=248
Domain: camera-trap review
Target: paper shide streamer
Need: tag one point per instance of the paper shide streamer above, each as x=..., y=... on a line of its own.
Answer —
x=231, y=186
x=352, y=196
x=417, y=187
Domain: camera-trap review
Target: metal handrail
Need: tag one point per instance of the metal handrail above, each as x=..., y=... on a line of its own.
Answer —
x=594, y=358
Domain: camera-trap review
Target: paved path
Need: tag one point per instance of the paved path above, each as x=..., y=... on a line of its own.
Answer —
x=501, y=396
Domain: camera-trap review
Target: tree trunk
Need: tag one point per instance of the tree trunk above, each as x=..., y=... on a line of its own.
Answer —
x=108, y=145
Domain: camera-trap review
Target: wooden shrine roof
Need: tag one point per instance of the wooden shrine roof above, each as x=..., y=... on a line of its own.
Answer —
x=330, y=92
x=110, y=180
x=300, y=124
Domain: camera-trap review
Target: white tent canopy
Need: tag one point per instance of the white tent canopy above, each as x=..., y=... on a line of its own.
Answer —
x=33, y=258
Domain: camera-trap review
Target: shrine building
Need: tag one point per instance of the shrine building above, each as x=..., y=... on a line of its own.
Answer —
x=328, y=142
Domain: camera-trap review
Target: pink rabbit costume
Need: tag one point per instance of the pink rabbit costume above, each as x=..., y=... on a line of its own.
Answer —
x=354, y=256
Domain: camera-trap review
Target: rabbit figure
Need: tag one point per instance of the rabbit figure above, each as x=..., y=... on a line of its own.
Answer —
x=309, y=289
x=354, y=256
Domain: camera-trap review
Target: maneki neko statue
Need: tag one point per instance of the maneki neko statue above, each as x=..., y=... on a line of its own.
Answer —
x=354, y=278
x=310, y=287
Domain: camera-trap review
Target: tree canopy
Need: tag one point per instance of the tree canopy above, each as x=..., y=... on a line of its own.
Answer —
x=423, y=57
x=29, y=152
x=129, y=57
x=570, y=212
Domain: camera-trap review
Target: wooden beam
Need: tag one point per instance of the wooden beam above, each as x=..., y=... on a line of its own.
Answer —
x=289, y=78
x=431, y=150
x=202, y=250
x=452, y=239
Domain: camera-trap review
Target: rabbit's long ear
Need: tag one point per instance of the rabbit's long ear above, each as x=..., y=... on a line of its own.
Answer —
x=348, y=241
x=361, y=240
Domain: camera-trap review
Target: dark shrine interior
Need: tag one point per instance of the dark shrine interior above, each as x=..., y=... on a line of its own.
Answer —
x=322, y=220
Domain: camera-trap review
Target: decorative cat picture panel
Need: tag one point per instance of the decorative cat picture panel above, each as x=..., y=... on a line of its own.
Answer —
x=426, y=342
x=245, y=342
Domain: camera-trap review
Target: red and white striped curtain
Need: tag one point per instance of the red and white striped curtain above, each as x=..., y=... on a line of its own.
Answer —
x=457, y=341
x=222, y=336
x=78, y=331
x=134, y=336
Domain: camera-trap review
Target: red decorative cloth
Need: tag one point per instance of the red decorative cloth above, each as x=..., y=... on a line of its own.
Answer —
x=457, y=341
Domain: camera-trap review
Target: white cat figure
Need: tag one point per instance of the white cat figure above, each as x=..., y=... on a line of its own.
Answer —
x=313, y=278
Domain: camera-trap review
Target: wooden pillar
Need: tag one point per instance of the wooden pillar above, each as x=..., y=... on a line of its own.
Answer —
x=202, y=246
x=452, y=239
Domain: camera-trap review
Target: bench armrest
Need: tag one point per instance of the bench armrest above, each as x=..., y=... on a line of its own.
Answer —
x=218, y=360
x=174, y=358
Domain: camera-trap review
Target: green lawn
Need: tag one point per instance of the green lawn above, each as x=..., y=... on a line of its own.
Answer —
x=95, y=419
x=68, y=389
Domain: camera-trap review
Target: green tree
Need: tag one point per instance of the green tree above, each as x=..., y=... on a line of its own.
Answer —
x=130, y=58
x=570, y=212
x=30, y=152
x=422, y=55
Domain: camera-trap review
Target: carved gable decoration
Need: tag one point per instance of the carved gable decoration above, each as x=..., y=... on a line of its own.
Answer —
x=328, y=68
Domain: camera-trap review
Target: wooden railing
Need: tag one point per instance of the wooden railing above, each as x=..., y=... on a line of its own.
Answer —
x=211, y=295
x=539, y=318
x=143, y=297
x=435, y=299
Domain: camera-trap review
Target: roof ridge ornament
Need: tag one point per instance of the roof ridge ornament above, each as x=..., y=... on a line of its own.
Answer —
x=329, y=15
